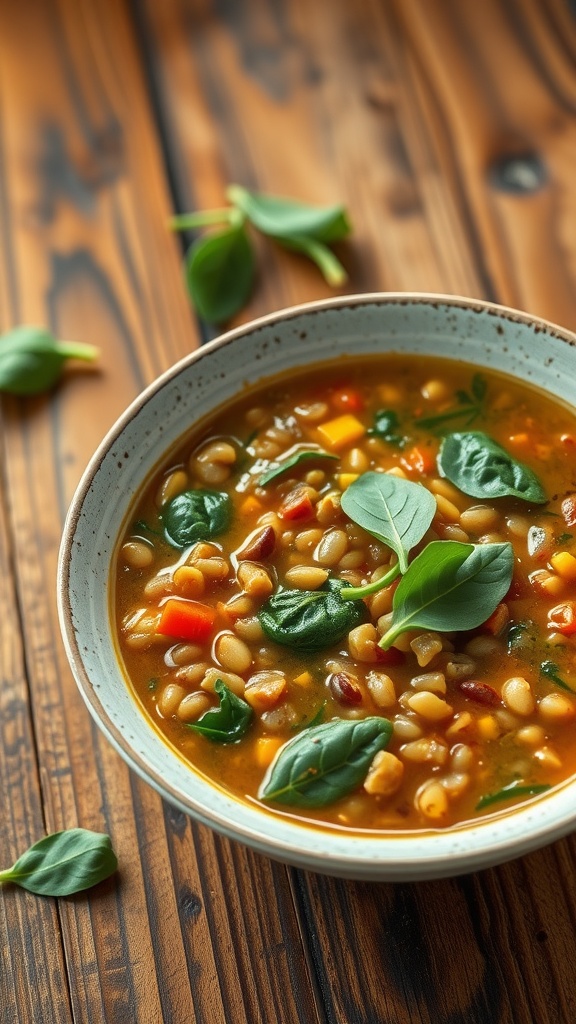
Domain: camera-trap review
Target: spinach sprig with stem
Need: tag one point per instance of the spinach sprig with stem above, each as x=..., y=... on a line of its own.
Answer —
x=32, y=359
x=221, y=267
x=63, y=863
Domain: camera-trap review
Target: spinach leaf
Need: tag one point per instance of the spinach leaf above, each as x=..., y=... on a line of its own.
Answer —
x=63, y=863
x=451, y=586
x=552, y=671
x=480, y=467
x=325, y=762
x=395, y=511
x=196, y=515
x=309, y=620
x=386, y=424
x=295, y=459
x=228, y=722
x=31, y=359
x=510, y=792
x=220, y=271
x=284, y=218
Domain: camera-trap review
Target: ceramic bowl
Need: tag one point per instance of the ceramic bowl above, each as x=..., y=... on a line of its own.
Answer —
x=477, y=332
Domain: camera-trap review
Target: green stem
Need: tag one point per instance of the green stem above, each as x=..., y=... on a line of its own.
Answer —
x=77, y=350
x=6, y=876
x=202, y=218
x=354, y=593
x=330, y=267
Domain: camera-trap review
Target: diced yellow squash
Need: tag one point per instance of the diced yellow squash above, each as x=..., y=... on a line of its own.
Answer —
x=488, y=727
x=564, y=564
x=343, y=430
x=345, y=479
x=250, y=506
x=304, y=679
x=266, y=749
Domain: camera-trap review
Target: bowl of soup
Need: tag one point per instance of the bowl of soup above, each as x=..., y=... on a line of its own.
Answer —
x=317, y=586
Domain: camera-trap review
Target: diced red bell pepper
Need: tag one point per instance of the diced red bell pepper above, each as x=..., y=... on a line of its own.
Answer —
x=187, y=620
x=296, y=505
x=390, y=657
x=562, y=618
x=347, y=400
x=423, y=460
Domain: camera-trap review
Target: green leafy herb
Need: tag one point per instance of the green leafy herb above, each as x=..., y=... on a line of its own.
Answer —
x=324, y=763
x=519, y=635
x=470, y=407
x=552, y=671
x=31, y=359
x=196, y=515
x=481, y=468
x=451, y=587
x=303, y=455
x=141, y=526
x=309, y=620
x=510, y=792
x=63, y=863
x=228, y=722
x=317, y=719
x=220, y=271
x=563, y=538
x=153, y=684
x=395, y=511
x=385, y=427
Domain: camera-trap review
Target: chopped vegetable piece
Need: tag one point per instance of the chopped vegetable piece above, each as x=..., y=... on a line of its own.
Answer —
x=187, y=620
x=342, y=431
x=562, y=618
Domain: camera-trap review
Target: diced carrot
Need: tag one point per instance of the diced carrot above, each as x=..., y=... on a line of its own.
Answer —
x=347, y=400
x=266, y=749
x=562, y=618
x=569, y=440
x=423, y=460
x=519, y=439
x=341, y=431
x=565, y=565
x=568, y=508
x=250, y=506
x=186, y=620
x=296, y=505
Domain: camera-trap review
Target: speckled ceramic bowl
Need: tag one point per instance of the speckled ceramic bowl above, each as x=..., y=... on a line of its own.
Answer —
x=477, y=332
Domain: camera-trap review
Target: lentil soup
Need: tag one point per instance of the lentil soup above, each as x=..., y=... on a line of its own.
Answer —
x=349, y=595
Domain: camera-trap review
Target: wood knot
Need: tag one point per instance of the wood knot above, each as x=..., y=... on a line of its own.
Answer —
x=520, y=174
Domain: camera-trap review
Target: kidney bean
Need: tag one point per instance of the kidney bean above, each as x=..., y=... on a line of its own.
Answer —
x=343, y=689
x=259, y=547
x=480, y=693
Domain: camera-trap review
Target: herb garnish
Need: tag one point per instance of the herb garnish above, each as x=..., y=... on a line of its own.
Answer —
x=451, y=586
x=63, y=863
x=551, y=670
x=31, y=359
x=220, y=269
x=469, y=410
x=509, y=792
x=481, y=468
x=325, y=762
x=196, y=515
x=386, y=424
x=295, y=459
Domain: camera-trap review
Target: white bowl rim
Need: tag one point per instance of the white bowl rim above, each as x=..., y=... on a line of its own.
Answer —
x=355, y=864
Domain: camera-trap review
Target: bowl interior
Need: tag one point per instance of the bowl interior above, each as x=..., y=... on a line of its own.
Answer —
x=478, y=333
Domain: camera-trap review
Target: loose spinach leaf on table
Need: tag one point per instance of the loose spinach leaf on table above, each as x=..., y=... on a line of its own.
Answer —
x=481, y=468
x=304, y=455
x=220, y=271
x=325, y=762
x=228, y=722
x=31, y=359
x=450, y=586
x=63, y=863
x=196, y=515
x=309, y=620
x=395, y=511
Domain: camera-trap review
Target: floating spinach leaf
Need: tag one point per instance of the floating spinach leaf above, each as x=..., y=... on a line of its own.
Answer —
x=481, y=468
x=309, y=620
x=510, y=792
x=552, y=671
x=520, y=635
x=325, y=762
x=220, y=272
x=395, y=511
x=31, y=359
x=451, y=586
x=385, y=427
x=228, y=722
x=63, y=863
x=303, y=455
x=196, y=515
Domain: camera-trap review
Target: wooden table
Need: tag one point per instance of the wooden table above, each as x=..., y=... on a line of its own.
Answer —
x=448, y=128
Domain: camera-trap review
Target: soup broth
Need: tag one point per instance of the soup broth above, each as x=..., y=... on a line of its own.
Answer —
x=442, y=687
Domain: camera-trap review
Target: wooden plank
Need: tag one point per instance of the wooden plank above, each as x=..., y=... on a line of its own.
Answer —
x=85, y=248
x=402, y=110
